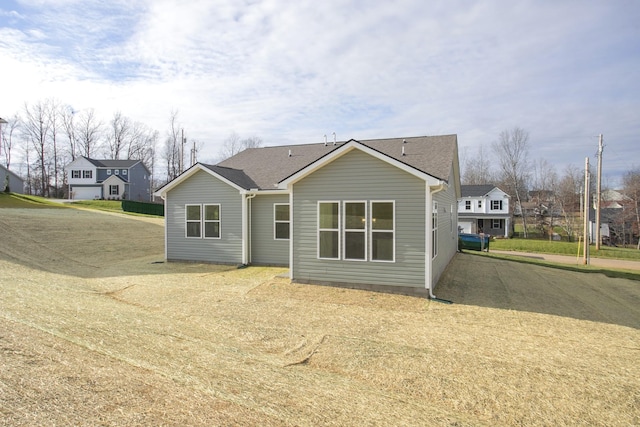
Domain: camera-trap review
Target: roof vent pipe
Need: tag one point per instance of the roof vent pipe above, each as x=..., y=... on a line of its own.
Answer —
x=334, y=138
x=404, y=141
x=403, y=151
x=289, y=153
x=325, y=139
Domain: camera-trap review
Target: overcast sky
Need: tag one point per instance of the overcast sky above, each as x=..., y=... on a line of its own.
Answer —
x=291, y=71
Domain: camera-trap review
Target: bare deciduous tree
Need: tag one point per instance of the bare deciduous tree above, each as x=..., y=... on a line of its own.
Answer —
x=568, y=198
x=477, y=169
x=513, y=150
x=9, y=131
x=234, y=144
x=36, y=127
x=631, y=184
x=89, y=132
x=119, y=136
x=172, y=147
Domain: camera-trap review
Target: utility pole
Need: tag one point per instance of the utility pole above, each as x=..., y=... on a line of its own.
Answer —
x=599, y=196
x=585, y=232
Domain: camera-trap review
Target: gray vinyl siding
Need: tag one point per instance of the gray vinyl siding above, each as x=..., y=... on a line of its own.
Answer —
x=447, y=229
x=203, y=188
x=139, y=184
x=357, y=176
x=265, y=249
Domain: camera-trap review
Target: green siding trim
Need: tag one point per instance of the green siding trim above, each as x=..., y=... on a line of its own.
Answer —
x=359, y=176
x=202, y=188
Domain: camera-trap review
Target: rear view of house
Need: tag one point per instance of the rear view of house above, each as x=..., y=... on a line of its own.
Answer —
x=375, y=214
x=484, y=209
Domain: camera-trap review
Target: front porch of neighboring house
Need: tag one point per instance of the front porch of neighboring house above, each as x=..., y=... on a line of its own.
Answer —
x=497, y=227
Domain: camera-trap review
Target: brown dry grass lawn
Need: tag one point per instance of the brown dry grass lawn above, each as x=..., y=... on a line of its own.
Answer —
x=94, y=330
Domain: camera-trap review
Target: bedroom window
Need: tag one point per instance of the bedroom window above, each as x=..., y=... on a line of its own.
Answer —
x=328, y=230
x=434, y=229
x=193, y=221
x=87, y=174
x=382, y=231
x=117, y=172
x=211, y=221
x=75, y=174
x=114, y=190
x=355, y=231
x=281, y=221
x=496, y=205
x=467, y=205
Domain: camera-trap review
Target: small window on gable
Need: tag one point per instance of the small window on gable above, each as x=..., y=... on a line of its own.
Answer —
x=108, y=171
x=281, y=215
x=117, y=172
x=124, y=171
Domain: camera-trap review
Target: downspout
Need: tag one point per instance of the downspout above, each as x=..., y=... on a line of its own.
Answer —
x=246, y=232
x=431, y=190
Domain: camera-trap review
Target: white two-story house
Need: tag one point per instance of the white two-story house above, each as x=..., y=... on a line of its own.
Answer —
x=90, y=179
x=484, y=209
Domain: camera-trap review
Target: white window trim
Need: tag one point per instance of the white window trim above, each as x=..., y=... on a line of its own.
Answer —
x=277, y=221
x=108, y=171
x=434, y=229
x=493, y=223
x=186, y=221
x=124, y=171
x=364, y=230
x=499, y=203
x=467, y=205
x=77, y=172
x=327, y=229
x=111, y=187
x=87, y=172
x=371, y=231
x=117, y=171
x=204, y=221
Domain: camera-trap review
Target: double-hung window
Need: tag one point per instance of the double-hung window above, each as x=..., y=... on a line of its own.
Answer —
x=199, y=218
x=467, y=205
x=75, y=173
x=383, y=231
x=211, y=221
x=496, y=205
x=281, y=221
x=87, y=174
x=355, y=231
x=329, y=230
x=114, y=190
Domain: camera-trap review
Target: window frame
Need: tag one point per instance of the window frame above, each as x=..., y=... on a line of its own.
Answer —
x=493, y=223
x=112, y=187
x=76, y=174
x=345, y=230
x=124, y=172
x=108, y=172
x=277, y=221
x=187, y=221
x=203, y=227
x=496, y=203
x=116, y=171
x=467, y=205
x=434, y=229
x=392, y=231
x=320, y=230
x=87, y=174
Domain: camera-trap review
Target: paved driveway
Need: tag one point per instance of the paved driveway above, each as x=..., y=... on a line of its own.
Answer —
x=571, y=260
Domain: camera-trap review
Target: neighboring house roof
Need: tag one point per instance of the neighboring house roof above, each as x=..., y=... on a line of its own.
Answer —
x=124, y=164
x=476, y=190
x=266, y=167
x=10, y=172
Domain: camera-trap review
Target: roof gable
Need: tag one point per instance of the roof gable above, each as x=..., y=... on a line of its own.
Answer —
x=268, y=166
x=227, y=175
x=482, y=190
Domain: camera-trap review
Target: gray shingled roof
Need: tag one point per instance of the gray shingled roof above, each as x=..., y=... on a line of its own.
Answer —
x=112, y=163
x=236, y=176
x=267, y=166
x=475, y=190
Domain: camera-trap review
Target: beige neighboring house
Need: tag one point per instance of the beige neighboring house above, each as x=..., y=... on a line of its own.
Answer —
x=12, y=180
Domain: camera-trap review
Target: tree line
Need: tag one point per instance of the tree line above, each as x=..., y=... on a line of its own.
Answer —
x=47, y=135
x=544, y=199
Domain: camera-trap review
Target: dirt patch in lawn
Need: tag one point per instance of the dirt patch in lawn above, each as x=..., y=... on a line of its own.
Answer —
x=126, y=341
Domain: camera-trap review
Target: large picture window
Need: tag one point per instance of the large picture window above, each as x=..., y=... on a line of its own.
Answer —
x=282, y=221
x=355, y=231
x=329, y=230
x=382, y=231
x=211, y=221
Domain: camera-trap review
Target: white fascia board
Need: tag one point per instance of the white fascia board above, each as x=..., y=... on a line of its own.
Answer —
x=162, y=192
x=346, y=148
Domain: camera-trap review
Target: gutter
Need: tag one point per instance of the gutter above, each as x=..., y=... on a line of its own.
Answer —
x=246, y=226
